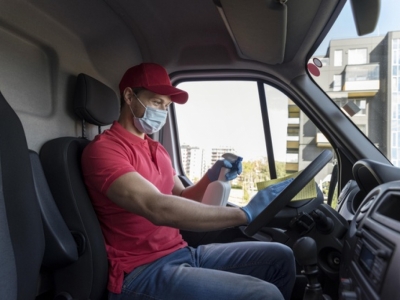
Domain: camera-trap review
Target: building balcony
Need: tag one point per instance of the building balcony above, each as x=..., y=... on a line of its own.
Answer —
x=292, y=144
x=362, y=78
x=292, y=167
x=293, y=108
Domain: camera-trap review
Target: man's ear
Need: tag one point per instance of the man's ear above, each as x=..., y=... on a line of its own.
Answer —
x=128, y=95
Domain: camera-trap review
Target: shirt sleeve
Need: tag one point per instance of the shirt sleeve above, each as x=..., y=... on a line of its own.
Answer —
x=103, y=162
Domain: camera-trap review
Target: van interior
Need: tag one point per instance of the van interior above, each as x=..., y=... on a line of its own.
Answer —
x=60, y=66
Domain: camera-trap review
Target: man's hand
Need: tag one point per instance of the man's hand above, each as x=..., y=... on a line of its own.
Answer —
x=264, y=197
x=235, y=169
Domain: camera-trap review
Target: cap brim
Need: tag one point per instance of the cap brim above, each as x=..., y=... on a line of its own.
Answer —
x=177, y=95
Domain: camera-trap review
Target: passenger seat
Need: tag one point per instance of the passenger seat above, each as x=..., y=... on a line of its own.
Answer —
x=60, y=246
x=22, y=244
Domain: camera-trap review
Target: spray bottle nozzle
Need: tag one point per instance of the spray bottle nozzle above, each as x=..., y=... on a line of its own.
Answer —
x=232, y=157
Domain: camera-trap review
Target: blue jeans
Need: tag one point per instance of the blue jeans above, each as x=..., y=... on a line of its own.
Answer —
x=243, y=270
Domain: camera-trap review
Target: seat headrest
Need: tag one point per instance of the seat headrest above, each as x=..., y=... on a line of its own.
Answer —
x=95, y=102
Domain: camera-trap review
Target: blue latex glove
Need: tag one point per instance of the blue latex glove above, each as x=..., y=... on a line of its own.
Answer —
x=264, y=197
x=235, y=169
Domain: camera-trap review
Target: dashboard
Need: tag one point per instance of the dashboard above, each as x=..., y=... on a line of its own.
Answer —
x=371, y=254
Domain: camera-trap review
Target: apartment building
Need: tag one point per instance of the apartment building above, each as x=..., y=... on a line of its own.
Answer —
x=196, y=161
x=362, y=76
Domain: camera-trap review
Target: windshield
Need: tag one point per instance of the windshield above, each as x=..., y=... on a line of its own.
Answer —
x=361, y=75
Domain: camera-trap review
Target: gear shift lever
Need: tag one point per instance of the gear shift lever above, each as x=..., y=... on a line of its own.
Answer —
x=305, y=252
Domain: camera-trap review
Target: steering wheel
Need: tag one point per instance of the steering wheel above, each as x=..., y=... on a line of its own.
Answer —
x=289, y=192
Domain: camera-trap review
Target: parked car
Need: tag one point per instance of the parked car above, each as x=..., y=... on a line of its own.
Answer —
x=309, y=89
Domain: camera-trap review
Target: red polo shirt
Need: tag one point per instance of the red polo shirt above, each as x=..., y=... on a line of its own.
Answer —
x=131, y=240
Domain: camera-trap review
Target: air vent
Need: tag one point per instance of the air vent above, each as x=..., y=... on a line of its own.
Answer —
x=388, y=211
x=390, y=206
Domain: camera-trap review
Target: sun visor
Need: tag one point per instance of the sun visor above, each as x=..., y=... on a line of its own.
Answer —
x=257, y=27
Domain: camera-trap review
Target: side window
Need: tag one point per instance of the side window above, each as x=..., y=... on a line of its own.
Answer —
x=226, y=116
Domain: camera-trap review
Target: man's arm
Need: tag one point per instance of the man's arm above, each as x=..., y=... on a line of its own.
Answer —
x=193, y=192
x=196, y=191
x=134, y=193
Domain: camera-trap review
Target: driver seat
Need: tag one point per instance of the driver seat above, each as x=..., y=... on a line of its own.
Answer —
x=87, y=277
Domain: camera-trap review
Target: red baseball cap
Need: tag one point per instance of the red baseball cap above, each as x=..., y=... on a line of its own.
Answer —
x=154, y=78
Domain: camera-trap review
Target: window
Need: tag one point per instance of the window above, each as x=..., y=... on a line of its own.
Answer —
x=371, y=66
x=337, y=82
x=358, y=106
x=293, y=131
x=338, y=57
x=205, y=134
x=357, y=56
x=362, y=104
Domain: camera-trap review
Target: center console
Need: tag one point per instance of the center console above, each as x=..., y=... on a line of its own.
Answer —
x=371, y=254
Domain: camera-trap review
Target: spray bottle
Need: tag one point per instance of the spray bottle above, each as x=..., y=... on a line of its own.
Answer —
x=217, y=192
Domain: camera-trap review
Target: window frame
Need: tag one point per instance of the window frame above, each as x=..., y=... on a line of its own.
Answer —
x=344, y=136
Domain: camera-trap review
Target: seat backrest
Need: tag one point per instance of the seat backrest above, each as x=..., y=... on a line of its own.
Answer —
x=60, y=246
x=86, y=278
x=21, y=233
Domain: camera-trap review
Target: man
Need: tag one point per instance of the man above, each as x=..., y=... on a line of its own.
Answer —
x=141, y=205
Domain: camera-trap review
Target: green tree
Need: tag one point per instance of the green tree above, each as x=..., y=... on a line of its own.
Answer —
x=280, y=169
x=258, y=171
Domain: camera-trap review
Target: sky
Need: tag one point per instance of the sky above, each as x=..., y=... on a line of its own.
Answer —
x=344, y=26
x=228, y=114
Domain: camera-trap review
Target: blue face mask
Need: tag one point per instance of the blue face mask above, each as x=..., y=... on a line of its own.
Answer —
x=152, y=121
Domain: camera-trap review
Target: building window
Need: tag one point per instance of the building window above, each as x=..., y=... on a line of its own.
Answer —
x=337, y=59
x=337, y=82
x=362, y=104
x=357, y=56
x=293, y=131
x=395, y=121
